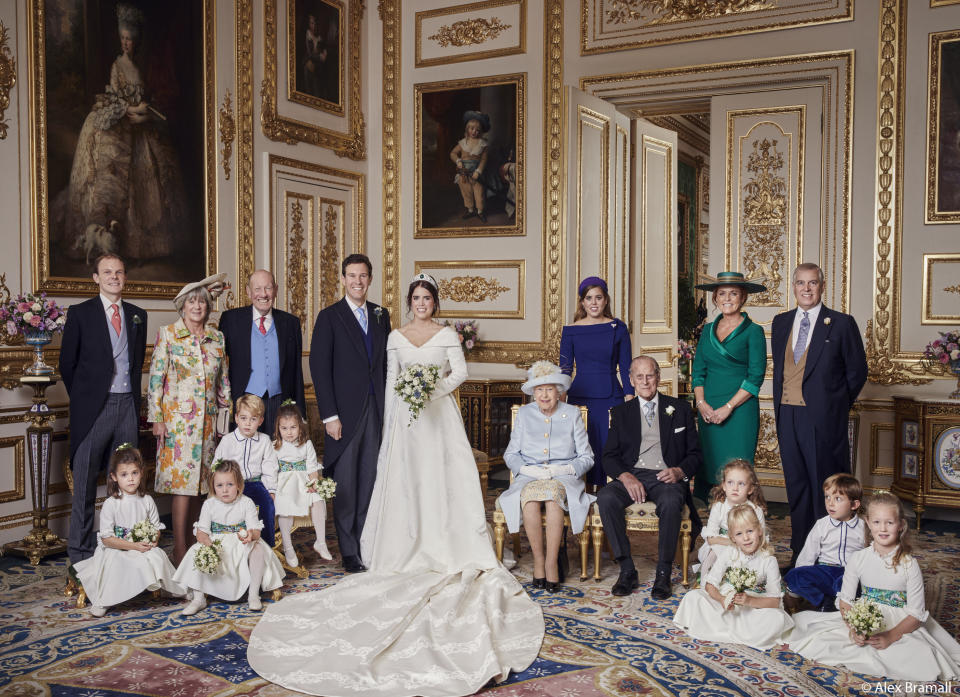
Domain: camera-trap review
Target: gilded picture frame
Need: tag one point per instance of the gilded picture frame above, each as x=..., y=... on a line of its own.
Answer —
x=343, y=131
x=943, y=115
x=95, y=150
x=457, y=172
x=473, y=284
x=315, y=65
x=469, y=32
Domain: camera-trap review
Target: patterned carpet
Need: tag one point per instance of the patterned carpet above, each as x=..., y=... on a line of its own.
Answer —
x=596, y=644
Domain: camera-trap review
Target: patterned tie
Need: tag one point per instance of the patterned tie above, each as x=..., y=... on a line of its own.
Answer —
x=801, y=344
x=648, y=412
x=362, y=319
x=115, y=319
x=263, y=327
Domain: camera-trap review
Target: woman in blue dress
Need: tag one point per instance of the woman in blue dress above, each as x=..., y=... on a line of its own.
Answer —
x=596, y=344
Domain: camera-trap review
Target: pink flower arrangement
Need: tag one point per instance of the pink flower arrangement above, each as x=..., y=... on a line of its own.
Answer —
x=944, y=350
x=468, y=331
x=29, y=311
x=684, y=351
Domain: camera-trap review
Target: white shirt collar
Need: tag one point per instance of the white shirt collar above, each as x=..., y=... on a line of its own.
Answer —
x=240, y=437
x=645, y=402
x=812, y=313
x=267, y=317
x=107, y=303
x=354, y=308
x=852, y=523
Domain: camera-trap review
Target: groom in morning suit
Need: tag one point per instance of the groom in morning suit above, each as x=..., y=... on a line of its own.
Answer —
x=651, y=452
x=819, y=367
x=348, y=363
x=264, y=346
x=101, y=361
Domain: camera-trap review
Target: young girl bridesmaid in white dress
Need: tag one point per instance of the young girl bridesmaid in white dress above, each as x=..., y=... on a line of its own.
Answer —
x=121, y=568
x=246, y=562
x=911, y=645
x=298, y=465
x=752, y=617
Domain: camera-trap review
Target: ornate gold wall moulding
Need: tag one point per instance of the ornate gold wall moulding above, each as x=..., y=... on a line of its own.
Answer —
x=929, y=314
x=883, y=371
x=244, y=59
x=8, y=77
x=650, y=12
x=463, y=289
x=767, y=458
x=941, y=144
x=875, y=468
x=474, y=293
x=470, y=31
x=228, y=131
x=620, y=25
x=943, y=3
x=390, y=125
x=685, y=133
x=509, y=91
x=5, y=338
x=40, y=229
x=329, y=261
x=295, y=265
x=349, y=143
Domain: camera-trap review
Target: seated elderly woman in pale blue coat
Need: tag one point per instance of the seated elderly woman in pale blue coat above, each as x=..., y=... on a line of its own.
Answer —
x=549, y=452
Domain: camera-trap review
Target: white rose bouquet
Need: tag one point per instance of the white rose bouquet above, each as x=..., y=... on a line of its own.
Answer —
x=144, y=531
x=414, y=386
x=324, y=487
x=207, y=558
x=740, y=579
x=865, y=617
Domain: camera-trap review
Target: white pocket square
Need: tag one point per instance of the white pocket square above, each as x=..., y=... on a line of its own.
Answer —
x=682, y=428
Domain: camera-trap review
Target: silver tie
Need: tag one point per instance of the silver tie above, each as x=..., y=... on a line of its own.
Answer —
x=801, y=344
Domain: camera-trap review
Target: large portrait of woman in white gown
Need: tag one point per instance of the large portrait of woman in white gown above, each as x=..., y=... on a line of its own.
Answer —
x=436, y=615
x=124, y=139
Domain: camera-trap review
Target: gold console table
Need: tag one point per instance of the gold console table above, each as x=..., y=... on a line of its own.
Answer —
x=927, y=450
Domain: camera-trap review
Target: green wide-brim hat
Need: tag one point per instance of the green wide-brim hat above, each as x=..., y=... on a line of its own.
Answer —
x=734, y=278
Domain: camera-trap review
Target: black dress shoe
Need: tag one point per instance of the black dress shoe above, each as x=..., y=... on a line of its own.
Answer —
x=539, y=582
x=353, y=565
x=482, y=216
x=627, y=582
x=468, y=213
x=662, y=588
x=553, y=586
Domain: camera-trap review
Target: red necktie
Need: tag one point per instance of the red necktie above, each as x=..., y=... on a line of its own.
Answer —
x=115, y=320
x=263, y=329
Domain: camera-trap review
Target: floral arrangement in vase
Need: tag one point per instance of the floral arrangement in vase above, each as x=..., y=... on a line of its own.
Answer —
x=467, y=330
x=945, y=353
x=37, y=318
x=684, y=360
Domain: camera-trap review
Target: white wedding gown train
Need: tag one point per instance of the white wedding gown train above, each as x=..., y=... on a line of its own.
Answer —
x=436, y=615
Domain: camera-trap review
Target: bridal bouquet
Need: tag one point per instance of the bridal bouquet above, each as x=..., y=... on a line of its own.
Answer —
x=207, y=558
x=414, y=386
x=324, y=487
x=144, y=531
x=864, y=617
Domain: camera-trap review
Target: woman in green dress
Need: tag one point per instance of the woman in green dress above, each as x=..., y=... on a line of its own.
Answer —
x=728, y=370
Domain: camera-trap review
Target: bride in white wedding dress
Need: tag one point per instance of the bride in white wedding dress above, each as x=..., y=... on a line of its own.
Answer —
x=436, y=615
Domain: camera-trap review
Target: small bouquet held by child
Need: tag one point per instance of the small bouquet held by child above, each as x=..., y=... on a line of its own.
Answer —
x=864, y=617
x=207, y=558
x=414, y=386
x=740, y=579
x=324, y=487
x=144, y=531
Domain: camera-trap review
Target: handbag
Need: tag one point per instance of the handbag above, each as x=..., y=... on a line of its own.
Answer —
x=222, y=425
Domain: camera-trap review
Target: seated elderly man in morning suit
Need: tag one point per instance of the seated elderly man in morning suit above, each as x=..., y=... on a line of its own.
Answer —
x=651, y=453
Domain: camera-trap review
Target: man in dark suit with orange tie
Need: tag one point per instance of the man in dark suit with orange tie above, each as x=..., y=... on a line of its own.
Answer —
x=101, y=361
x=651, y=452
x=819, y=367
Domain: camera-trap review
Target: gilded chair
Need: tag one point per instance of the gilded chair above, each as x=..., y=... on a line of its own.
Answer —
x=500, y=521
x=642, y=517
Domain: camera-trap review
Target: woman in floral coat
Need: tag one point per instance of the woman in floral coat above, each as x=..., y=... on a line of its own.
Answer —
x=188, y=383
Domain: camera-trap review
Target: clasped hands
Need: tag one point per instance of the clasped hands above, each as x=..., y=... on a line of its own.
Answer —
x=714, y=416
x=546, y=471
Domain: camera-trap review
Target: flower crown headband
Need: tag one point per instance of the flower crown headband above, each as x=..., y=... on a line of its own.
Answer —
x=123, y=446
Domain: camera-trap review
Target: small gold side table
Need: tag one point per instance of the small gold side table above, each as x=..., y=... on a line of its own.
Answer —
x=41, y=541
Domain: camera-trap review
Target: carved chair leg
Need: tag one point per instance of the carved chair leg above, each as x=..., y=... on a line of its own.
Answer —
x=584, y=539
x=498, y=533
x=277, y=594
x=81, y=599
x=685, y=556
x=597, y=532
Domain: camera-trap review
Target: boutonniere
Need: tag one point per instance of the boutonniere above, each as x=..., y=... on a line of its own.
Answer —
x=669, y=410
x=827, y=320
x=378, y=311
x=137, y=319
